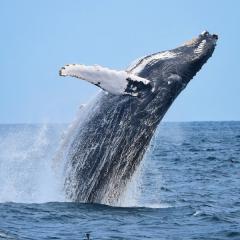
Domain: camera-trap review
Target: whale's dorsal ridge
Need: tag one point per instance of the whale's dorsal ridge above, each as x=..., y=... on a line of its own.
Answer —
x=113, y=81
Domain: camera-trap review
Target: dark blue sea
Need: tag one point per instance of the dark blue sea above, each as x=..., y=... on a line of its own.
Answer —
x=188, y=187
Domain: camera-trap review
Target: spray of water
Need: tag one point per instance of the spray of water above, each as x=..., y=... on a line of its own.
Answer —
x=26, y=173
x=33, y=160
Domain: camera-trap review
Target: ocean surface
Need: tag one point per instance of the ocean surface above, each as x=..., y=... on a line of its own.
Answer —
x=188, y=187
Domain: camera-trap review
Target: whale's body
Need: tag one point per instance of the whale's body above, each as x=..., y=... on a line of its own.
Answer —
x=108, y=145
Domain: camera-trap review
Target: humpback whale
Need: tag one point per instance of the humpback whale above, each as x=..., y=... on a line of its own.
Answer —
x=106, y=146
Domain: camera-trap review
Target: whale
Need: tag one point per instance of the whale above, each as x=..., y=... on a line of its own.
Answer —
x=111, y=135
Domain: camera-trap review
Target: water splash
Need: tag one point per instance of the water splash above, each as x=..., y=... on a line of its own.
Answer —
x=26, y=173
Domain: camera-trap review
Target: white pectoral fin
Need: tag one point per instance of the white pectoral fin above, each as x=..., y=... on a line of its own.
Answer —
x=113, y=81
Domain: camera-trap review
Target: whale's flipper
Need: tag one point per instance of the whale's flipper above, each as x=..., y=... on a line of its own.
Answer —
x=113, y=81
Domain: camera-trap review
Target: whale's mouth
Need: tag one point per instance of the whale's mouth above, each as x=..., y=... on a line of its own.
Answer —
x=205, y=35
x=201, y=46
x=194, y=53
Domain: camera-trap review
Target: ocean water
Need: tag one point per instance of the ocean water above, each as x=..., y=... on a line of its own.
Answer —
x=188, y=187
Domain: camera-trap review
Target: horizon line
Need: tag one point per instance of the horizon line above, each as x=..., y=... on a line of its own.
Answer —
x=65, y=123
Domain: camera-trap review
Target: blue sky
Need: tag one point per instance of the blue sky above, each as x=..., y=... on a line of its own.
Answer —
x=38, y=37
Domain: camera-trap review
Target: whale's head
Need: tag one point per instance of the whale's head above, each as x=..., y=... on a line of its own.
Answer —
x=192, y=55
x=175, y=68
